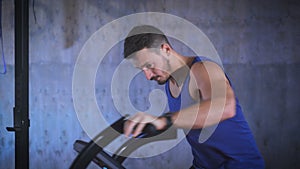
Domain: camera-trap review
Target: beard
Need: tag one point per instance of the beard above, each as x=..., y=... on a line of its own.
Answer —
x=165, y=73
x=160, y=81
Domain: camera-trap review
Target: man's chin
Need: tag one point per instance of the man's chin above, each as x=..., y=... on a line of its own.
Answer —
x=161, y=82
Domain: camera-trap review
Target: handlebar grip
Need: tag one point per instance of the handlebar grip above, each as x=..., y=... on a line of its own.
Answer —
x=150, y=129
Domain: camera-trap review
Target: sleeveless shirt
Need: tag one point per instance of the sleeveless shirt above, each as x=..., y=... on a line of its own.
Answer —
x=231, y=145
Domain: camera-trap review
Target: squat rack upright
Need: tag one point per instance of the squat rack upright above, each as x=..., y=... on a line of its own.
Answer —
x=21, y=109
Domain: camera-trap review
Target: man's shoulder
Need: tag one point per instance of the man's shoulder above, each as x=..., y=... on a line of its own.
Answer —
x=203, y=65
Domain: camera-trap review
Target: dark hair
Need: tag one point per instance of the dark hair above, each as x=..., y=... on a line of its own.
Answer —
x=144, y=36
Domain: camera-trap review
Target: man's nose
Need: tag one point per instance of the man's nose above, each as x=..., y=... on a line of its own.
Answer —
x=148, y=73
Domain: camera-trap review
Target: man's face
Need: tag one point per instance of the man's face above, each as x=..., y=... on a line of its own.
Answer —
x=154, y=65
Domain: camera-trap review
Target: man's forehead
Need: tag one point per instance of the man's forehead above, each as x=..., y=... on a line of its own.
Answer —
x=139, y=61
x=146, y=51
x=142, y=56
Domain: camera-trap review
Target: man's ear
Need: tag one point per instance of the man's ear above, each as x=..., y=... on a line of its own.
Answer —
x=166, y=48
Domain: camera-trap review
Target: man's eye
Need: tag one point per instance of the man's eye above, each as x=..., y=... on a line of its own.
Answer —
x=149, y=66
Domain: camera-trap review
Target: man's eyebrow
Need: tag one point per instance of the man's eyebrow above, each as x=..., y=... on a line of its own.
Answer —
x=142, y=66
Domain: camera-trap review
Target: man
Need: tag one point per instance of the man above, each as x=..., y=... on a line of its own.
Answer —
x=199, y=96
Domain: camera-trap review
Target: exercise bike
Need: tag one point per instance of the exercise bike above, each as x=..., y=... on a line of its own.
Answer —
x=94, y=150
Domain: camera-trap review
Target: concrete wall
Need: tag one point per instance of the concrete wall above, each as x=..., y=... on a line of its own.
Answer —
x=256, y=40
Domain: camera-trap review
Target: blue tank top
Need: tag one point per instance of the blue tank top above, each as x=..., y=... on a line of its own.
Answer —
x=231, y=145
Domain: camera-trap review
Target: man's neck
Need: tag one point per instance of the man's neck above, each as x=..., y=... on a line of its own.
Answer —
x=181, y=72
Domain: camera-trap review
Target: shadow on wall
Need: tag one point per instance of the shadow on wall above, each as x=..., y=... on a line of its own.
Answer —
x=72, y=19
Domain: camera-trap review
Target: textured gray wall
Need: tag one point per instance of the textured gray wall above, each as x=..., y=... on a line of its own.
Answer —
x=256, y=40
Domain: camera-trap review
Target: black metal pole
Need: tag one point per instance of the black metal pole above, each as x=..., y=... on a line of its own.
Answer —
x=21, y=109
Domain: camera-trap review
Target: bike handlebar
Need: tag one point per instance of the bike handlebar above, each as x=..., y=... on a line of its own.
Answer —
x=96, y=145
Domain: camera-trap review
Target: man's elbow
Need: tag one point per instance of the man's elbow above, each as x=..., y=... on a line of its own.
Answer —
x=230, y=114
x=230, y=109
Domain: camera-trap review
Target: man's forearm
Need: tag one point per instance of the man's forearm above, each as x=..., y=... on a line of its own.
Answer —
x=204, y=114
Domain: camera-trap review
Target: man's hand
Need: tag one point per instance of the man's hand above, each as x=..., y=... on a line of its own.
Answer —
x=136, y=123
